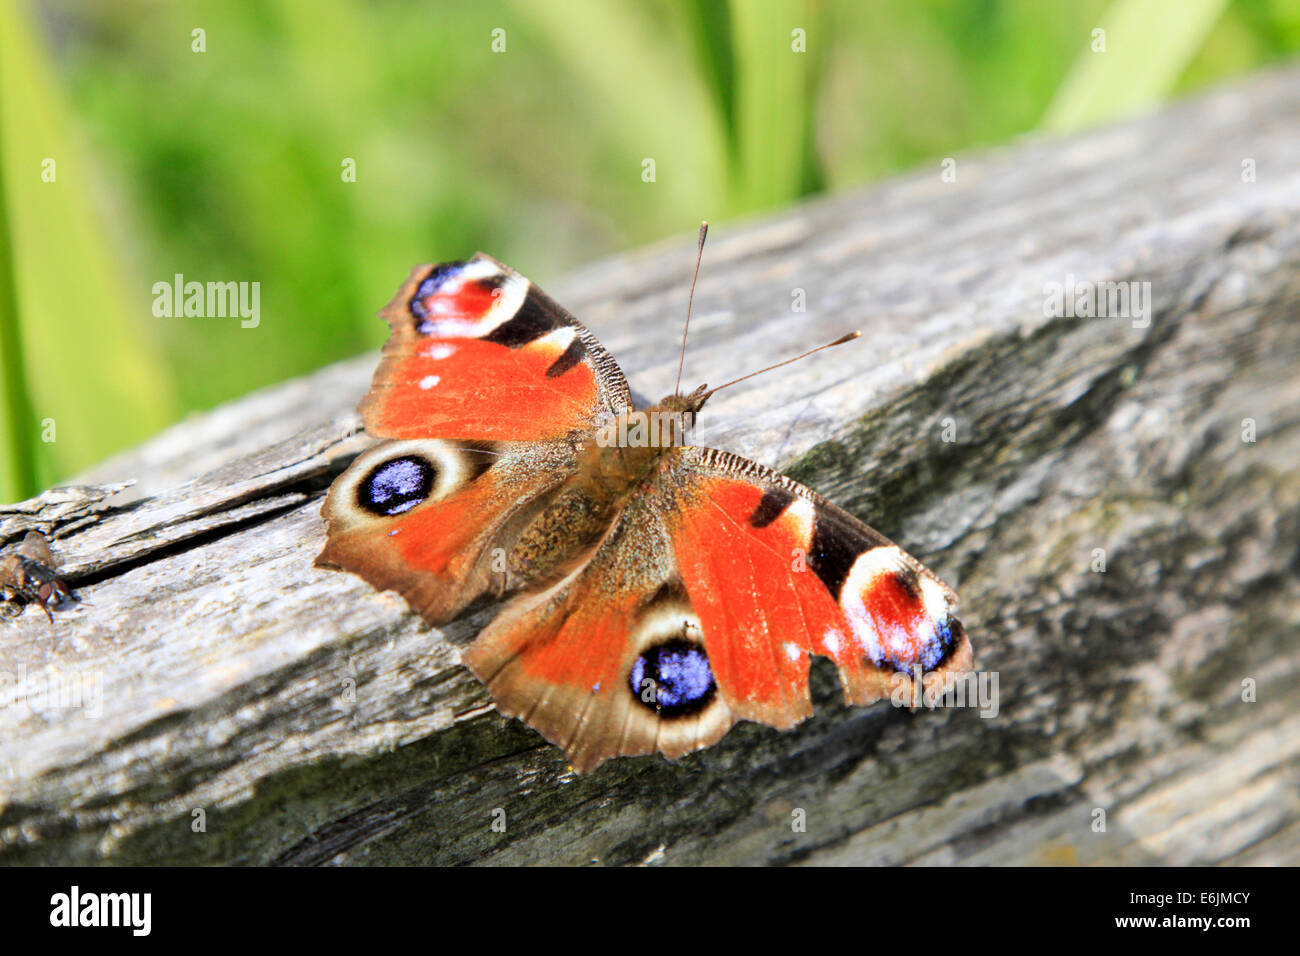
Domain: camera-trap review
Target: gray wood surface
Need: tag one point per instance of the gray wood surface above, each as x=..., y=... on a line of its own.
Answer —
x=215, y=677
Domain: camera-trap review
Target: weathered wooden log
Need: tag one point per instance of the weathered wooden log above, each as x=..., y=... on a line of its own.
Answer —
x=1116, y=499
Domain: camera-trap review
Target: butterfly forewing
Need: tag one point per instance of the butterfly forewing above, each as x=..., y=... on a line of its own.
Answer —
x=489, y=387
x=478, y=352
x=775, y=573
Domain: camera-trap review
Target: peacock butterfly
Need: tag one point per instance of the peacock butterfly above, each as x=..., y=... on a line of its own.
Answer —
x=659, y=591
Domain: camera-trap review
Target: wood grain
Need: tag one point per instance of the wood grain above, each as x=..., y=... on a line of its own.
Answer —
x=215, y=676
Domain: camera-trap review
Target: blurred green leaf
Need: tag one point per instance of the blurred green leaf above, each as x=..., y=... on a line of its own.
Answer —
x=1148, y=45
x=709, y=25
x=89, y=371
x=17, y=464
x=642, y=91
x=779, y=46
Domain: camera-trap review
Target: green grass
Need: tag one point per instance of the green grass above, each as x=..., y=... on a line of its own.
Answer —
x=81, y=376
x=225, y=165
x=1144, y=47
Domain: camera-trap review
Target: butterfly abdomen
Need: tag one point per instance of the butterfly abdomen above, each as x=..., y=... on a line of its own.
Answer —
x=560, y=533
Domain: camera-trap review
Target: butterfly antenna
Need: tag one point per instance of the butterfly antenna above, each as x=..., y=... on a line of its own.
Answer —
x=699, y=254
x=840, y=341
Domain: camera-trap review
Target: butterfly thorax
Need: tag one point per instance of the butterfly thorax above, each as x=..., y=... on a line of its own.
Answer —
x=612, y=465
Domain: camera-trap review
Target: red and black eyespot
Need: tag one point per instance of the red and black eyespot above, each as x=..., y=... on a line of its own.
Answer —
x=673, y=678
x=397, y=485
x=472, y=290
x=448, y=293
x=431, y=285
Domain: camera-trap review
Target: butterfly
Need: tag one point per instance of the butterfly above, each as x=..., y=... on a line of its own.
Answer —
x=658, y=591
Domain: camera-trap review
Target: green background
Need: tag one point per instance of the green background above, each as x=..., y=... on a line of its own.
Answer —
x=226, y=165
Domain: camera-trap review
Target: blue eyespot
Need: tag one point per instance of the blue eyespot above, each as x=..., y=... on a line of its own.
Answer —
x=431, y=285
x=934, y=649
x=673, y=678
x=396, y=485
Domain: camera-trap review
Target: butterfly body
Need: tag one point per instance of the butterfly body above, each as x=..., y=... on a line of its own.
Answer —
x=659, y=591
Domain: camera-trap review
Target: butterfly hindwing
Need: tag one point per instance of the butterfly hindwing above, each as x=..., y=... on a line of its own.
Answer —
x=610, y=661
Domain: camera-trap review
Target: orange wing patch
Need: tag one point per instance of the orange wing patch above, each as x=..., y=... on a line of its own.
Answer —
x=743, y=582
x=465, y=388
